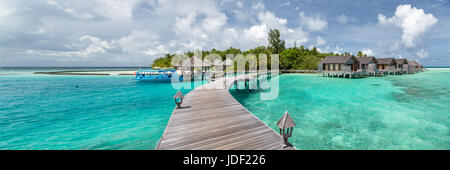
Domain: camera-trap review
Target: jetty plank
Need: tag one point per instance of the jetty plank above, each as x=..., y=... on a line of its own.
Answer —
x=211, y=119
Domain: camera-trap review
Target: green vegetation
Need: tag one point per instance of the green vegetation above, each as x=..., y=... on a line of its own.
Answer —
x=163, y=62
x=360, y=54
x=294, y=58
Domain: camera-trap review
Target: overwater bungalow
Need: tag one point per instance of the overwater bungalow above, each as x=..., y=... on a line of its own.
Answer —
x=193, y=66
x=411, y=66
x=402, y=66
x=368, y=65
x=414, y=66
x=340, y=66
x=421, y=68
x=387, y=65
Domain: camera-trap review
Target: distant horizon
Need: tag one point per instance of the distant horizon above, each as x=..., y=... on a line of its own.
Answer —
x=127, y=66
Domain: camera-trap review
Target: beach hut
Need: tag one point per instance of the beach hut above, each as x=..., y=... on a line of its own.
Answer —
x=368, y=65
x=421, y=68
x=387, y=65
x=417, y=66
x=224, y=64
x=402, y=65
x=286, y=125
x=193, y=66
x=414, y=66
x=345, y=66
x=411, y=66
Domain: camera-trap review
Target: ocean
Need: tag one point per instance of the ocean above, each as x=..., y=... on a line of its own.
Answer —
x=392, y=112
x=81, y=112
x=116, y=112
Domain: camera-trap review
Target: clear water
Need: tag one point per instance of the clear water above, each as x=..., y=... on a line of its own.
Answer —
x=104, y=112
x=393, y=112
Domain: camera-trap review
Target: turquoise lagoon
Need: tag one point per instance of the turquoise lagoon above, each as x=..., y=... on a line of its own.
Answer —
x=103, y=112
x=116, y=112
x=392, y=112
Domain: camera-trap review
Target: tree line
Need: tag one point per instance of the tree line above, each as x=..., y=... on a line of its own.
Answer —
x=294, y=58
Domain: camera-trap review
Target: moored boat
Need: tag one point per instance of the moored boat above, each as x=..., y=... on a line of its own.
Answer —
x=158, y=75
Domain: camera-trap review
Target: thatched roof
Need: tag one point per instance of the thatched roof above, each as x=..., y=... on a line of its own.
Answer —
x=386, y=61
x=227, y=62
x=412, y=63
x=401, y=61
x=286, y=121
x=194, y=62
x=178, y=95
x=418, y=63
x=216, y=62
x=366, y=60
x=337, y=59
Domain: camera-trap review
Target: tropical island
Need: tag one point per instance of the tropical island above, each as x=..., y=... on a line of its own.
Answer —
x=293, y=58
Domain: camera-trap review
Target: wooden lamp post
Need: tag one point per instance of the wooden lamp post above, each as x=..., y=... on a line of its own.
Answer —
x=178, y=99
x=286, y=125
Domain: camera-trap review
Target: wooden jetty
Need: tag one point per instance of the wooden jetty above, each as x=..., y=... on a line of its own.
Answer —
x=211, y=119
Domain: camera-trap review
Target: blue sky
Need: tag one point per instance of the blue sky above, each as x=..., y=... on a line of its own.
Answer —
x=135, y=32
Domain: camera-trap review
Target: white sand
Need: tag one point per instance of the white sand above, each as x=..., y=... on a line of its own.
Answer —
x=112, y=73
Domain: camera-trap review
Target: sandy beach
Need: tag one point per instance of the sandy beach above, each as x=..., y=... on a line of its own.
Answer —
x=96, y=72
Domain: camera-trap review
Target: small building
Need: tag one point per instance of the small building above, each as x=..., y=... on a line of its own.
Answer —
x=193, y=68
x=421, y=68
x=413, y=66
x=345, y=66
x=368, y=65
x=387, y=65
x=402, y=65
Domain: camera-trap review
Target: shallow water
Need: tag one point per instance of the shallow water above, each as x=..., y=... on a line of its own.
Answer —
x=103, y=112
x=392, y=112
x=116, y=112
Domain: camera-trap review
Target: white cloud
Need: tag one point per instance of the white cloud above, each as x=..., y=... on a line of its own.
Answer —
x=285, y=4
x=230, y=35
x=240, y=4
x=320, y=41
x=5, y=12
x=51, y=2
x=313, y=23
x=337, y=50
x=137, y=42
x=214, y=23
x=271, y=20
x=414, y=22
x=88, y=45
x=39, y=31
x=290, y=35
x=297, y=35
x=258, y=6
x=368, y=52
x=342, y=19
x=256, y=33
x=422, y=54
x=160, y=49
x=116, y=9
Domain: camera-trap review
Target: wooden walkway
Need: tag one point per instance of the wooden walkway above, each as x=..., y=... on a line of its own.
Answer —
x=211, y=119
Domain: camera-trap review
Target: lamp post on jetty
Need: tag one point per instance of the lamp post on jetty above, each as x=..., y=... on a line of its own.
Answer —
x=286, y=125
x=178, y=99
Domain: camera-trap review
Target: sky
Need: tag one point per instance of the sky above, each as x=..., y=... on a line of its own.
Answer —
x=50, y=33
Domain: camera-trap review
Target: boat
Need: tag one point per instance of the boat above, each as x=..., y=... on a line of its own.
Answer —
x=158, y=75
